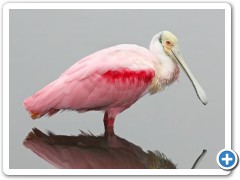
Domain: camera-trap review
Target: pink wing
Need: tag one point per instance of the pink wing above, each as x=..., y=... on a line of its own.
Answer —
x=111, y=78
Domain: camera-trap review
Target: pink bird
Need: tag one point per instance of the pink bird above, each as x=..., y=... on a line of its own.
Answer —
x=113, y=79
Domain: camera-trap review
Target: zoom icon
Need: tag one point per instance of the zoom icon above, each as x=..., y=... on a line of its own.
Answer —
x=227, y=159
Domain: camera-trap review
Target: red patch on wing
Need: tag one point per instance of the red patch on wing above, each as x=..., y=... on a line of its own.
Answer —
x=125, y=75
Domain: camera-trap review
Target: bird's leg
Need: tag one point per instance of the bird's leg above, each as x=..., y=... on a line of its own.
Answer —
x=108, y=125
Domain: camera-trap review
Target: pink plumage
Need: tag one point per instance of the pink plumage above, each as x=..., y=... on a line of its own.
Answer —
x=112, y=79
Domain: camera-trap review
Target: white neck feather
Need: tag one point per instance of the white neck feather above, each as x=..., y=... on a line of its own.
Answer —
x=166, y=69
x=166, y=65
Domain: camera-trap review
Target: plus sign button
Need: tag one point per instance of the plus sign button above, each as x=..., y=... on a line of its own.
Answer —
x=227, y=159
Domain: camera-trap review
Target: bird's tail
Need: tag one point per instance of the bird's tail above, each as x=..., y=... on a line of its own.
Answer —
x=36, y=113
x=43, y=102
x=28, y=104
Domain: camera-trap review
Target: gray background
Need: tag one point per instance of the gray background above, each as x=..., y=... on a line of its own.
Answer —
x=43, y=43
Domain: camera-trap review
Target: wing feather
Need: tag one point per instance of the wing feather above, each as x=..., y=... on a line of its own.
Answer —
x=116, y=76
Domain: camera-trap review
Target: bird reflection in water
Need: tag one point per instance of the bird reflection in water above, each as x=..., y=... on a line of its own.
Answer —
x=87, y=151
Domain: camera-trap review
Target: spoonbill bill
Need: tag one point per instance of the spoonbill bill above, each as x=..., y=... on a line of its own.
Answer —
x=113, y=79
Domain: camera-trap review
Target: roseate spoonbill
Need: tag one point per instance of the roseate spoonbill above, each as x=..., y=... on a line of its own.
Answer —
x=112, y=79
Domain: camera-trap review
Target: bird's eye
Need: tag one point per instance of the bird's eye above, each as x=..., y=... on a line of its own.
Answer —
x=168, y=42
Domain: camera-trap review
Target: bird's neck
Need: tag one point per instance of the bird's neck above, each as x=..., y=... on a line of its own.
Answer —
x=167, y=70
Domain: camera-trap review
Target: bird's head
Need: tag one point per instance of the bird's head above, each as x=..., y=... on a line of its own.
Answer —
x=166, y=42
